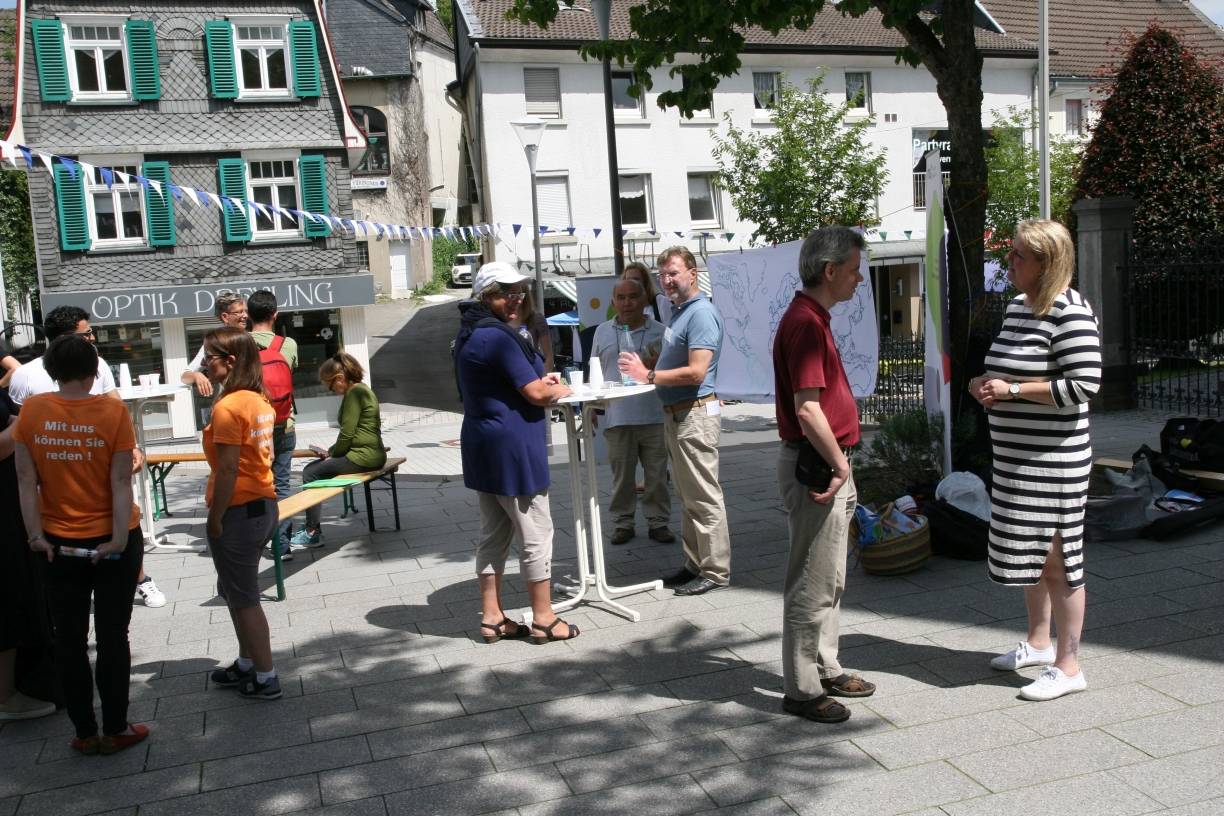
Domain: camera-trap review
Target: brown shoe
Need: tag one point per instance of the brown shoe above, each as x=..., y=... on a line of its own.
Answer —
x=621, y=536
x=822, y=709
x=848, y=685
x=661, y=534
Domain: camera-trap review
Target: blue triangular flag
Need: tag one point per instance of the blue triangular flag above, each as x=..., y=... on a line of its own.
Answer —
x=543, y=230
x=71, y=167
x=200, y=194
x=25, y=154
x=597, y=230
x=176, y=191
x=108, y=178
x=144, y=182
x=516, y=227
x=570, y=230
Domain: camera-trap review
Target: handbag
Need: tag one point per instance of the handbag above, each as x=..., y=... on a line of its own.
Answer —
x=811, y=470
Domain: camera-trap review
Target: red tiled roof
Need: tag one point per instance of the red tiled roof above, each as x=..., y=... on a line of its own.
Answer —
x=1085, y=35
x=831, y=30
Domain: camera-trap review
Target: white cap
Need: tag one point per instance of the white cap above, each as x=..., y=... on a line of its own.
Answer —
x=495, y=272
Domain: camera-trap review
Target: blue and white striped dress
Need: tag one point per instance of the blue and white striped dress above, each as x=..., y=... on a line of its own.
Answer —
x=1042, y=453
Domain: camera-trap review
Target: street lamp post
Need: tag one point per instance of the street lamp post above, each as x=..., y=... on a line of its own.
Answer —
x=530, y=132
x=602, y=10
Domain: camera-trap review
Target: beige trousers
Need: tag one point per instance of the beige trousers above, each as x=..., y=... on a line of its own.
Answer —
x=507, y=519
x=815, y=581
x=628, y=445
x=692, y=445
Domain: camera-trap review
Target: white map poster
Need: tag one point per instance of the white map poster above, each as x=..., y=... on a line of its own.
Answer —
x=752, y=290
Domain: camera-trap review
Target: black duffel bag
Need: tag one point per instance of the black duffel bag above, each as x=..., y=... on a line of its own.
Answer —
x=955, y=533
x=1194, y=443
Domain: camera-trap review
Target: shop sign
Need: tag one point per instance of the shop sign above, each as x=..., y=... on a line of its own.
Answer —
x=160, y=302
x=369, y=183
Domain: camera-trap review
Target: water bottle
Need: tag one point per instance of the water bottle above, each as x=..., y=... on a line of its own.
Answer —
x=624, y=342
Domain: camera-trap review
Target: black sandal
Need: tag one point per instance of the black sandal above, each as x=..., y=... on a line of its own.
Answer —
x=520, y=631
x=549, y=635
x=822, y=709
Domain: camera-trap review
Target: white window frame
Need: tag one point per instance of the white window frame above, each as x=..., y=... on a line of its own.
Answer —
x=646, y=191
x=1079, y=121
x=569, y=202
x=283, y=233
x=639, y=112
x=865, y=110
x=560, y=110
x=715, y=199
x=777, y=83
x=252, y=21
x=132, y=190
x=71, y=46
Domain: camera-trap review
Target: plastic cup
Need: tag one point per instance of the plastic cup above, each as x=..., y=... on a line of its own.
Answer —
x=155, y=379
x=575, y=378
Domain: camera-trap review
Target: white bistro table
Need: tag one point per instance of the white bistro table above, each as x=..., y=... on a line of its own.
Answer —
x=592, y=572
x=136, y=398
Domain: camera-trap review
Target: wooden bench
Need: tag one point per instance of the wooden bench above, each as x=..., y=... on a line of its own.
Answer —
x=160, y=465
x=1209, y=478
x=306, y=498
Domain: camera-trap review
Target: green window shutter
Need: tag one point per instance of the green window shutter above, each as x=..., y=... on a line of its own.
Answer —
x=51, y=60
x=312, y=171
x=70, y=207
x=304, y=53
x=159, y=208
x=142, y=59
x=219, y=45
x=231, y=173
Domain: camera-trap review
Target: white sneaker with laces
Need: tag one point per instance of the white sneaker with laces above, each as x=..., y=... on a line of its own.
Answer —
x=1052, y=684
x=150, y=594
x=1021, y=656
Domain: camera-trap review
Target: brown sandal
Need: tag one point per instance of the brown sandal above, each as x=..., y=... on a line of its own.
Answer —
x=499, y=632
x=549, y=635
x=848, y=685
x=822, y=709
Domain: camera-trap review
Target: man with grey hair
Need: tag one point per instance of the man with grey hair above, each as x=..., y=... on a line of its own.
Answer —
x=231, y=309
x=818, y=424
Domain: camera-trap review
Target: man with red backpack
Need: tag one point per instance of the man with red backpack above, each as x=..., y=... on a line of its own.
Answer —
x=279, y=355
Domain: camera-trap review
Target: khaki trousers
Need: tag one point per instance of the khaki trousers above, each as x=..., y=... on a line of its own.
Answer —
x=692, y=445
x=815, y=581
x=524, y=520
x=628, y=445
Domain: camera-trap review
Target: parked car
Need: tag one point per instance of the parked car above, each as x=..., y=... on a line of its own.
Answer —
x=466, y=264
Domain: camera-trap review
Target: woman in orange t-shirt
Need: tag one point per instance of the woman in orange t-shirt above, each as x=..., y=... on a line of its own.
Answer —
x=74, y=468
x=241, y=499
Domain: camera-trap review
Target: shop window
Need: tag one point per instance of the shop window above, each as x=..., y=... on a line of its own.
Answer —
x=140, y=346
x=542, y=92
x=703, y=200
x=858, y=93
x=94, y=58
x=269, y=189
x=635, y=202
x=262, y=58
x=766, y=89
x=623, y=104
x=377, y=158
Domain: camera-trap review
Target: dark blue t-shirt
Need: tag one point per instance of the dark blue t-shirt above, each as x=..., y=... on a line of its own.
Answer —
x=503, y=442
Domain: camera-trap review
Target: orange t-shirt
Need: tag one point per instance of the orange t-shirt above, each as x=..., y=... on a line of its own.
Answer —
x=72, y=442
x=243, y=418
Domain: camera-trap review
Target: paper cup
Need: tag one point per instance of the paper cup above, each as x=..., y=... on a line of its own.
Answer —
x=575, y=378
x=155, y=379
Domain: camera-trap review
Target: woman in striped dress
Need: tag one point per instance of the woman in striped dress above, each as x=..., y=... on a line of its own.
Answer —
x=1040, y=373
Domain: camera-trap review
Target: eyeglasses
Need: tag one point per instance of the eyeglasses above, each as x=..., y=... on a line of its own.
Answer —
x=208, y=355
x=664, y=274
x=517, y=294
x=86, y=333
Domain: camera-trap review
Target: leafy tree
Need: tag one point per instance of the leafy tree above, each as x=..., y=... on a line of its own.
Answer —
x=940, y=37
x=1160, y=140
x=1012, y=165
x=16, y=236
x=813, y=171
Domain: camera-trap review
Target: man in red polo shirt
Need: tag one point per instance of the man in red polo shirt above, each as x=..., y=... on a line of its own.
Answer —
x=815, y=407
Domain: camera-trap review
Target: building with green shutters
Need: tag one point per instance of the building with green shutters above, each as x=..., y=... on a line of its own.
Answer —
x=153, y=111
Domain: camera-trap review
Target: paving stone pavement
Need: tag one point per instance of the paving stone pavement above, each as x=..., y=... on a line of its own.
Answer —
x=393, y=705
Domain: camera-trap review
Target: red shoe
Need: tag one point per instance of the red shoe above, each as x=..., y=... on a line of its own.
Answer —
x=87, y=746
x=113, y=744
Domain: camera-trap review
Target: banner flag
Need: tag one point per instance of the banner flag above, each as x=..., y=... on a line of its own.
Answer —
x=25, y=154
x=71, y=167
x=937, y=367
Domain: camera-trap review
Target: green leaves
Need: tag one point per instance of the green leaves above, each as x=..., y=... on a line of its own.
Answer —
x=813, y=169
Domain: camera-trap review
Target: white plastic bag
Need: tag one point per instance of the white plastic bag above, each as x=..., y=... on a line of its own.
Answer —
x=965, y=491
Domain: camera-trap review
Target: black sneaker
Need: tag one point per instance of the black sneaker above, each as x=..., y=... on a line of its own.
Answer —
x=230, y=676
x=251, y=687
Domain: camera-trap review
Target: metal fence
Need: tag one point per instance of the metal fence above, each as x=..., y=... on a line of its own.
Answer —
x=899, y=382
x=1176, y=334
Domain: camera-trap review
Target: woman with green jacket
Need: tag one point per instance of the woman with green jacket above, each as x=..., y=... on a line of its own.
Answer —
x=359, y=446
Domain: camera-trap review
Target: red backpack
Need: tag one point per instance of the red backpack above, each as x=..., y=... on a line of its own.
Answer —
x=277, y=379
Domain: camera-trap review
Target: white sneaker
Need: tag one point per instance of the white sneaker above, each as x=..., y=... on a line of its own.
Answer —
x=150, y=594
x=1021, y=656
x=1052, y=684
x=21, y=707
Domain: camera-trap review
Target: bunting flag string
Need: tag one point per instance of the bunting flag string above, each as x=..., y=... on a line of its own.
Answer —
x=205, y=199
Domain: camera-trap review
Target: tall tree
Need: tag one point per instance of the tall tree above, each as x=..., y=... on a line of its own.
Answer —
x=1160, y=140
x=941, y=40
x=814, y=170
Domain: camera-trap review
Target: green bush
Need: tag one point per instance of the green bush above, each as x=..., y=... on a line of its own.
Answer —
x=444, y=252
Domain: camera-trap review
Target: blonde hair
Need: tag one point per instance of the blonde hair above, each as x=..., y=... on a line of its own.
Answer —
x=644, y=277
x=1050, y=243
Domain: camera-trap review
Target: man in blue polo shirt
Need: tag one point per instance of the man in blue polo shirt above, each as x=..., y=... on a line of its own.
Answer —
x=684, y=376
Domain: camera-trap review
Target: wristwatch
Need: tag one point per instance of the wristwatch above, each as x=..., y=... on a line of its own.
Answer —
x=650, y=376
x=1014, y=390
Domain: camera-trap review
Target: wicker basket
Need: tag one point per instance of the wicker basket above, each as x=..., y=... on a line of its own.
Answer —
x=898, y=555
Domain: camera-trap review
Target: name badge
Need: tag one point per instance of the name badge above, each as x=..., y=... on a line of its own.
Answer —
x=667, y=335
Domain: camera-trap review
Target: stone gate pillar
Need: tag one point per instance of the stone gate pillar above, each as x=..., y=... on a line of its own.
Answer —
x=1104, y=228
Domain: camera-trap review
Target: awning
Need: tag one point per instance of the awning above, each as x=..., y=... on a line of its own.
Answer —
x=569, y=318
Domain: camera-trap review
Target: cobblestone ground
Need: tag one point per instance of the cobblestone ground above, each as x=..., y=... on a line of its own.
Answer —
x=393, y=705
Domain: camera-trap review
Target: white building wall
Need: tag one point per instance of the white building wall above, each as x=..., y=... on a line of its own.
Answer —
x=669, y=147
x=444, y=124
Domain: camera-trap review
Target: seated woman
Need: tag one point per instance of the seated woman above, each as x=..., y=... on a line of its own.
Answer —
x=74, y=469
x=359, y=446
